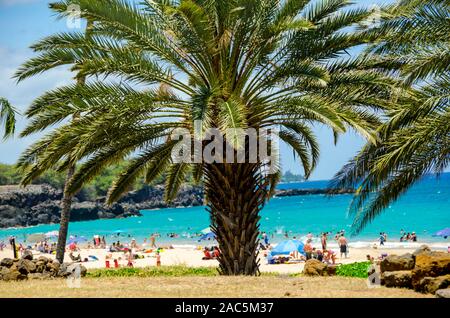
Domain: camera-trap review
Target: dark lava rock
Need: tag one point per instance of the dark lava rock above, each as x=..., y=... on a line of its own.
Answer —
x=397, y=263
x=40, y=204
x=26, y=266
x=397, y=279
x=7, y=262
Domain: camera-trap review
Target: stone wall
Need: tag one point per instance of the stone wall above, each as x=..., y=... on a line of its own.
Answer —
x=28, y=267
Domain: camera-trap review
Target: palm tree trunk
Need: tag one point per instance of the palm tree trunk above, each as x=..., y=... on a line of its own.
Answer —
x=67, y=197
x=66, y=204
x=235, y=194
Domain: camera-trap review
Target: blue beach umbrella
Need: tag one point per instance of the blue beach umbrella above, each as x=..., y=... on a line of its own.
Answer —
x=443, y=233
x=287, y=247
x=207, y=236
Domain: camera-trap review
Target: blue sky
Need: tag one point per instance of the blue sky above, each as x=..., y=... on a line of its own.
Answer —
x=23, y=22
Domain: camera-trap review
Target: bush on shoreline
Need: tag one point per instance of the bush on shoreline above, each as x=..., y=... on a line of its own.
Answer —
x=358, y=269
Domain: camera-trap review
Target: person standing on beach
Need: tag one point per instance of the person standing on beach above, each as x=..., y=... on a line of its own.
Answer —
x=343, y=245
x=130, y=258
x=265, y=238
x=308, y=248
x=336, y=237
x=323, y=240
x=382, y=238
x=158, y=259
x=153, y=241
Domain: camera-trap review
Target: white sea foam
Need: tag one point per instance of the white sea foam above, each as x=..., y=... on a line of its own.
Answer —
x=356, y=244
x=185, y=246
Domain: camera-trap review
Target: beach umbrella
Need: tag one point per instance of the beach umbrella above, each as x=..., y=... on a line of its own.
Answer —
x=33, y=238
x=443, y=233
x=287, y=247
x=52, y=234
x=207, y=236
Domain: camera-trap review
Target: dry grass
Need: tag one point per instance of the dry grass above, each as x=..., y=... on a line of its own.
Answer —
x=265, y=286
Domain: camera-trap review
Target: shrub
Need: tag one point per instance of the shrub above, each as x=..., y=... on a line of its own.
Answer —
x=353, y=270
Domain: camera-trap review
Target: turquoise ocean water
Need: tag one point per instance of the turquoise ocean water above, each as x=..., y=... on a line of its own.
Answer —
x=425, y=209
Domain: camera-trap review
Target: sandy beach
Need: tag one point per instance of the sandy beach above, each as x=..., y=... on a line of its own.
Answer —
x=191, y=256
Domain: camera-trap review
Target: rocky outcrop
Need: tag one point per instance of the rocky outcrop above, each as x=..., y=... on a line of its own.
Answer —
x=35, y=268
x=41, y=205
x=422, y=249
x=314, y=267
x=424, y=271
x=20, y=197
x=397, y=279
x=432, y=284
x=397, y=263
x=296, y=192
x=152, y=197
x=431, y=264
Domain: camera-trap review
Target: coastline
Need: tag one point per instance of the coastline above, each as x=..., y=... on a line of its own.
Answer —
x=191, y=256
x=40, y=204
x=422, y=210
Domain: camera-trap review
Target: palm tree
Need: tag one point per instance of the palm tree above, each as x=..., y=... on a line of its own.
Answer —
x=8, y=121
x=45, y=62
x=414, y=43
x=7, y=118
x=229, y=64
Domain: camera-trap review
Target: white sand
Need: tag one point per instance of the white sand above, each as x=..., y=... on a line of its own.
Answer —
x=189, y=256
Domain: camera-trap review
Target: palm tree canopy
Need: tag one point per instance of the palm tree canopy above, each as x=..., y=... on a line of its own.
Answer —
x=7, y=118
x=229, y=63
x=414, y=43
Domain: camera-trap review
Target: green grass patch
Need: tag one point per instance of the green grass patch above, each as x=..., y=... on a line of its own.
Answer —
x=163, y=271
x=353, y=270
